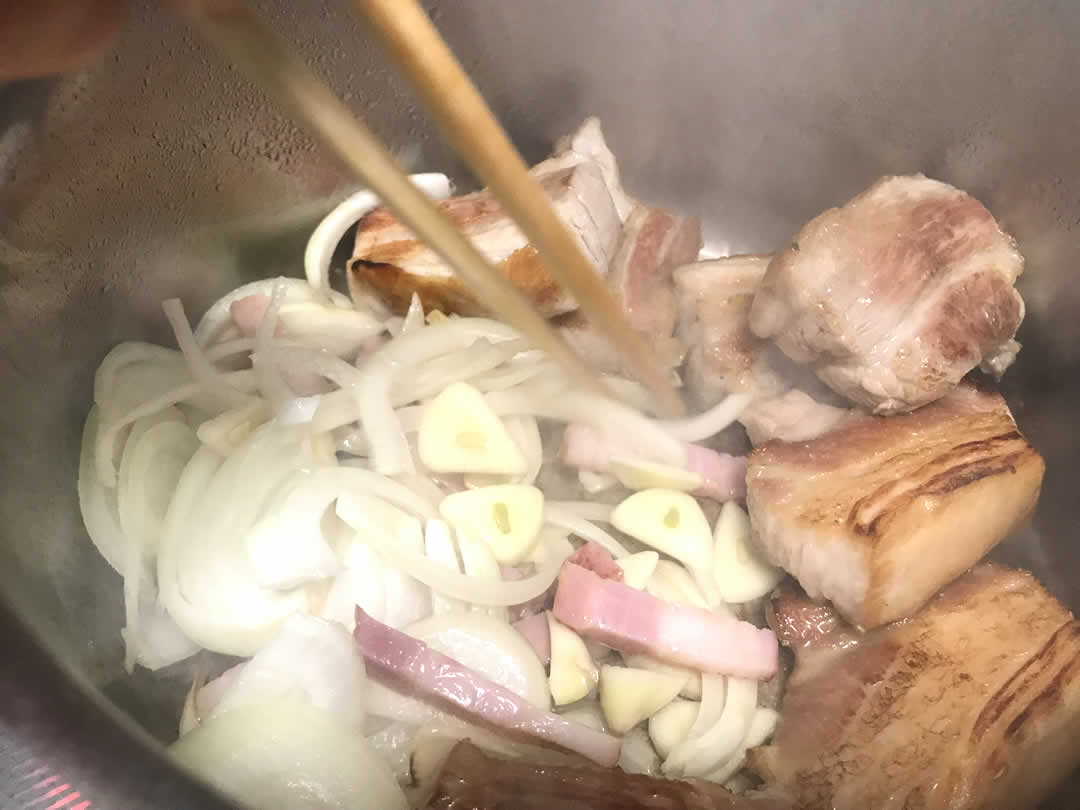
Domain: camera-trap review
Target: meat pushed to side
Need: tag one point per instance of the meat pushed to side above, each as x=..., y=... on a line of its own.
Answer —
x=653, y=243
x=723, y=356
x=581, y=180
x=895, y=296
x=971, y=704
x=878, y=514
x=471, y=779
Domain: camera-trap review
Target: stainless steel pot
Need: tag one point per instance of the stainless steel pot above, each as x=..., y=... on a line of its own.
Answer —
x=159, y=172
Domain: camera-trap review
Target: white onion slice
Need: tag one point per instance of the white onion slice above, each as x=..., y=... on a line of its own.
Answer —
x=708, y=423
x=155, y=454
x=287, y=755
x=308, y=658
x=488, y=646
x=325, y=238
x=205, y=577
x=216, y=323
x=703, y=753
x=461, y=586
x=98, y=502
x=566, y=519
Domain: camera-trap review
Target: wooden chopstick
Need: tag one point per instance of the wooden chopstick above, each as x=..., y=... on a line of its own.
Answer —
x=231, y=26
x=423, y=56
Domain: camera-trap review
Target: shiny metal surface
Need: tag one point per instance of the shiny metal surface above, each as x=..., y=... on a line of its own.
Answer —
x=159, y=172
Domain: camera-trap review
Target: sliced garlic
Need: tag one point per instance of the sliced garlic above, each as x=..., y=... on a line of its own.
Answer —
x=508, y=518
x=637, y=474
x=573, y=674
x=669, y=521
x=459, y=433
x=629, y=696
x=740, y=572
x=671, y=725
x=637, y=568
x=673, y=583
x=692, y=678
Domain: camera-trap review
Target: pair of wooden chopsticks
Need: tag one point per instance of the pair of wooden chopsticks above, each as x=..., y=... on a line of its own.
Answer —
x=464, y=117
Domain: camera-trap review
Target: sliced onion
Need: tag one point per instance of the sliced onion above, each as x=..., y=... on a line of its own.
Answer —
x=309, y=658
x=586, y=510
x=154, y=360
x=389, y=450
x=206, y=579
x=702, y=753
x=394, y=743
x=707, y=424
x=526, y=434
x=461, y=586
x=98, y=502
x=489, y=646
x=202, y=370
x=761, y=728
x=288, y=755
x=637, y=754
x=414, y=316
x=153, y=640
x=109, y=430
x=325, y=238
x=217, y=325
x=157, y=450
x=556, y=515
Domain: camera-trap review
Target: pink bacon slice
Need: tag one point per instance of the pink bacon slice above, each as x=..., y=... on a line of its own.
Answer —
x=633, y=621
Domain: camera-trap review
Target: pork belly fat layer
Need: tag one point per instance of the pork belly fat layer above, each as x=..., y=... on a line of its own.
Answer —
x=582, y=182
x=974, y=702
x=894, y=297
x=878, y=514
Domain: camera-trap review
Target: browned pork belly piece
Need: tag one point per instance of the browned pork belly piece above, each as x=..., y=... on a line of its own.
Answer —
x=723, y=356
x=654, y=242
x=582, y=183
x=971, y=704
x=794, y=416
x=471, y=779
x=880, y=513
x=714, y=322
x=897, y=295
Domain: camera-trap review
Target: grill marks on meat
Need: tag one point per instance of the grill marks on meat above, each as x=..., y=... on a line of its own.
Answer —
x=654, y=242
x=472, y=779
x=974, y=702
x=880, y=513
x=389, y=260
x=582, y=182
x=897, y=295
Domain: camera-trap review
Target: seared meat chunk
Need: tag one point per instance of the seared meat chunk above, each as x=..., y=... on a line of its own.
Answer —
x=471, y=779
x=897, y=295
x=723, y=356
x=714, y=308
x=654, y=242
x=971, y=704
x=793, y=416
x=389, y=261
x=880, y=513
